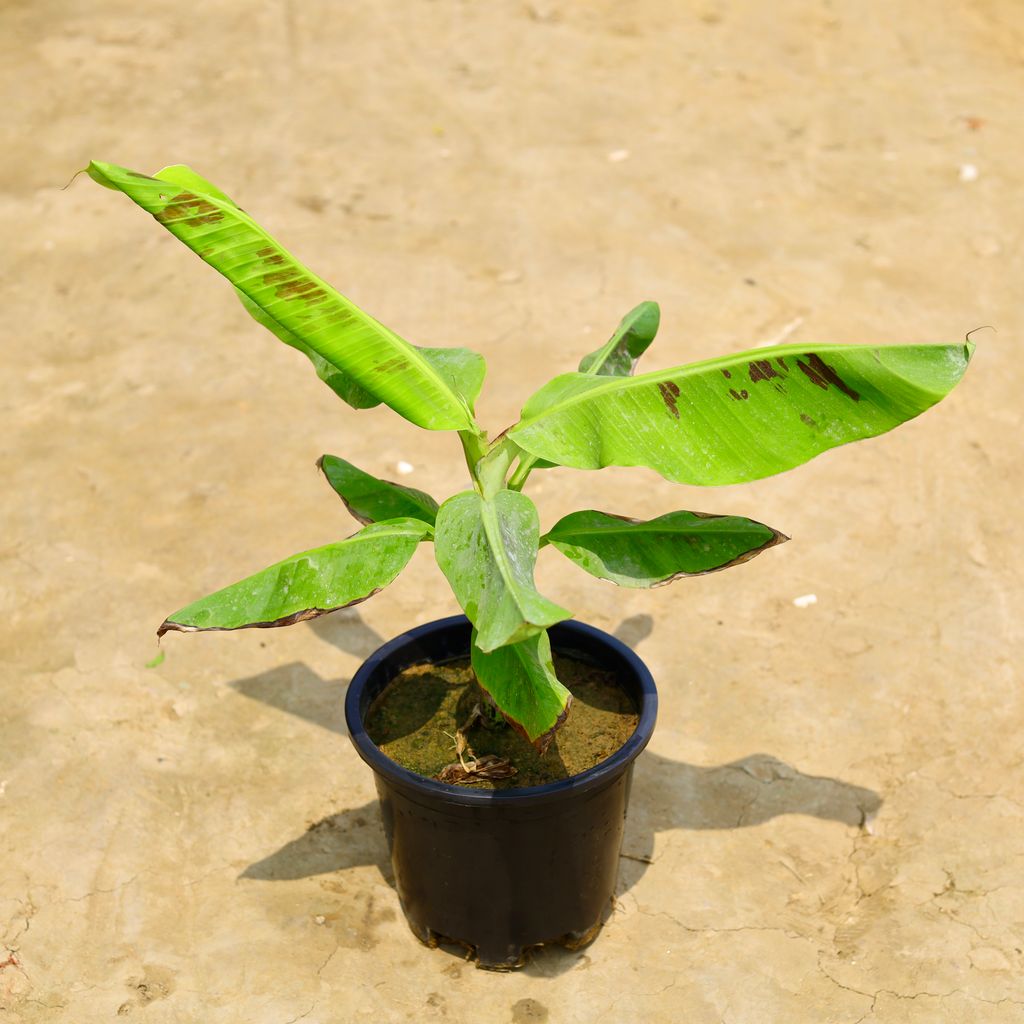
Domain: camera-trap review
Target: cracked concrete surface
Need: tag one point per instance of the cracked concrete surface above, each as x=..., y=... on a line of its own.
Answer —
x=828, y=824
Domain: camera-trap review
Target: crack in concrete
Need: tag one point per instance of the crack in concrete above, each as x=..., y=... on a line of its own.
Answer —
x=330, y=957
x=97, y=892
x=789, y=933
x=302, y=1015
x=14, y=942
x=909, y=996
x=969, y=796
x=213, y=871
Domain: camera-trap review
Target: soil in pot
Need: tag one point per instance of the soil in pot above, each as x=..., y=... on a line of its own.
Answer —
x=419, y=716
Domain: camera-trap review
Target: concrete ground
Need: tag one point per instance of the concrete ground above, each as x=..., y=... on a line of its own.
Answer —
x=829, y=824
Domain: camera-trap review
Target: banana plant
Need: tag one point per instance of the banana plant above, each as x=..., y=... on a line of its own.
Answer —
x=726, y=420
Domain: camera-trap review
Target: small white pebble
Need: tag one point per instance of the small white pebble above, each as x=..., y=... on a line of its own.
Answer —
x=509, y=276
x=968, y=172
x=3, y=787
x=405, y=468
x=805, y=600
x=320, y=919
x=986, y=246
x=616, y=156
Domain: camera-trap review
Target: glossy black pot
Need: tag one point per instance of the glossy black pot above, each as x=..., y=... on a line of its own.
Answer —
x=501, y=871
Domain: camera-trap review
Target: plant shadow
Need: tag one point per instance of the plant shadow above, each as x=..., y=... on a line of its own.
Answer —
x=666, y=795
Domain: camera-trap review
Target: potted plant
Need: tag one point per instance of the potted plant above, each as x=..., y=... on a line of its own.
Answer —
x=479, y=859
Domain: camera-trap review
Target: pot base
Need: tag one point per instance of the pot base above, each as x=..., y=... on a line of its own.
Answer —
x=511, y=960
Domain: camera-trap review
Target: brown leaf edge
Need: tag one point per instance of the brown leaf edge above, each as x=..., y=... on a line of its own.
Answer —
x=777, y=537
x=365, y=520
x=358, y=516
x=543, y=741
x=288, y=620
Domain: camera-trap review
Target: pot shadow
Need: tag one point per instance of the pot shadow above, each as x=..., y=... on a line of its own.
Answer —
x=666, y=794
x=298, y=690
x=349, y=839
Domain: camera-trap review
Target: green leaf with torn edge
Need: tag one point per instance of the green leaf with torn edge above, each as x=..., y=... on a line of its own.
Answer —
x=308, y=584
x=738, y=417
x=521, y=680
x=371, y=500
x=618, y=356
x=635, y=553
x=372, y=355
x=487, y=548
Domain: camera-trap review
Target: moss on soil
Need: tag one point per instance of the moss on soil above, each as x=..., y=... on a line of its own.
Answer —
x=409, y=719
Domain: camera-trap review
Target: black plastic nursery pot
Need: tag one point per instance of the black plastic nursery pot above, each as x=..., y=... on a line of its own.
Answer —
x=502, y=871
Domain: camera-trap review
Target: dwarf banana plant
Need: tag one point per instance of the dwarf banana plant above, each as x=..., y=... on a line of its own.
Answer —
x=719, y=421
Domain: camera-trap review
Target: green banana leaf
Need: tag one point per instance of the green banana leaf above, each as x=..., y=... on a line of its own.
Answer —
x=337, y=380
x=637, y=553
x=465, y=369
x=308, y=584
x=738, y=417
x=371, y=500
x=618, y=356
x=487, y=548
x=323, y=320
x=521, y=680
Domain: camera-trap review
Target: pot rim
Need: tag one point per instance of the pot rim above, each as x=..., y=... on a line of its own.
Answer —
x=586, y=781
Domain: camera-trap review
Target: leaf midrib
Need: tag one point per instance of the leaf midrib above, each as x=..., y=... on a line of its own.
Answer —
x=596, y=531
x=489, y=517
x=367, y=533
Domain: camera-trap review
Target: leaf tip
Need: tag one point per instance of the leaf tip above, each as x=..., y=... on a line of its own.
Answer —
x=101, y=173
x=167, y=626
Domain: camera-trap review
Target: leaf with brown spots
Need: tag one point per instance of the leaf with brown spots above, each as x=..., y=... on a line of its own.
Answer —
x=295, y=302
x=337, y=380
x=726, y=434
